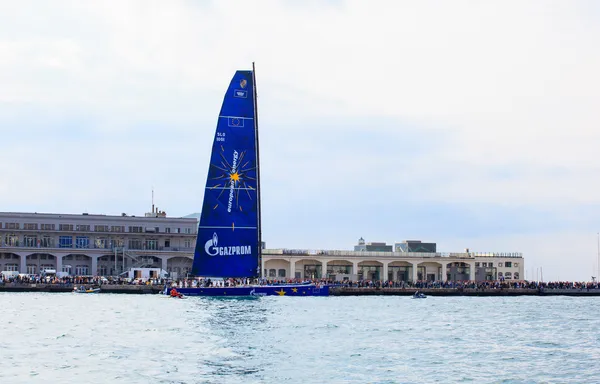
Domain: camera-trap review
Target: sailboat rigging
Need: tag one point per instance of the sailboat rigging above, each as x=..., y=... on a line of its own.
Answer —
x=229, y=239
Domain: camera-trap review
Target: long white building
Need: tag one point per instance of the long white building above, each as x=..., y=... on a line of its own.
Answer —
x=86, y=244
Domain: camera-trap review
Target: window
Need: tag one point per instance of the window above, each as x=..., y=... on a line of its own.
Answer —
x=167, y=230
x=281, y=273
x=508, y=275
x=117, y=243
x=101, y=228
x=151, y=244
x=343, y=269
x=167, y=243
x=30, y=226
x=508, y=264
x=81, y=270
x=188, y=230
x=30, y=241
x=11, y=267
x=11, y=240
x=66, y=268
x=135, y=244
x=82, y=242
x=135, y=229
x=499, y=274
x=477, y=264
x=31, y=269
x=11, y=226
x=187, y=243
x=272, y=272
x=83, y=227
x=516, y=275
x=102, y=270
x=117, y=228
x=65, y=227
x=101, y=243
x=515, y=265
x=65, y=242
x=499, y=264
x=47, y=242
x=48, y=227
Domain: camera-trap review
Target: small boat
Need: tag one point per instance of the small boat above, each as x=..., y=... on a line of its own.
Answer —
x=419, y=295
x=86, y=290
x=174, y=293
x=228, y=242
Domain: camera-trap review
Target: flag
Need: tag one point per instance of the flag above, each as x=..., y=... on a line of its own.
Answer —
x=235, y=122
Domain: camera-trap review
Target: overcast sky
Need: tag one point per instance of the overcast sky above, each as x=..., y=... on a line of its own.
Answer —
x=466, y=123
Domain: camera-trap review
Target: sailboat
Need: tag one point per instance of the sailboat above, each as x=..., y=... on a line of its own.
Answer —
x=229, y=244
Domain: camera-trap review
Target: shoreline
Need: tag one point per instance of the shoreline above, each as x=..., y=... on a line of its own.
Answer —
x=334, y=291
x=350, y=291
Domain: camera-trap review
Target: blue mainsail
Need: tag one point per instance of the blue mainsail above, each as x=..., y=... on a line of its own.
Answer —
x=228, y=235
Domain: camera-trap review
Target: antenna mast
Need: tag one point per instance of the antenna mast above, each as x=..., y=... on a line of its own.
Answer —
x=257, y=173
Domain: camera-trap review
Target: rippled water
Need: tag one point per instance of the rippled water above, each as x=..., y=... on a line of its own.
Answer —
x=153, y=339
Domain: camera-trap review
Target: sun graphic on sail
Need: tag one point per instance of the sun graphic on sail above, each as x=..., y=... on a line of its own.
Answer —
x=234, y=177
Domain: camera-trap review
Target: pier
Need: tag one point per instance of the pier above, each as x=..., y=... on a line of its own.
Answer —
x=352, y=291
x=334, y=291
x=105, y=288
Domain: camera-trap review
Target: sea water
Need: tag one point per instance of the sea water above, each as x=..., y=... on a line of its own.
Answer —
x=109, y=338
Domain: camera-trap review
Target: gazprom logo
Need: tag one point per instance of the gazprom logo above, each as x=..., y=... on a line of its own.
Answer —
x=212, y=249
x=211, y=245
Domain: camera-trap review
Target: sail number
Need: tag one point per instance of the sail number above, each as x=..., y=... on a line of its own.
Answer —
x=220, y=136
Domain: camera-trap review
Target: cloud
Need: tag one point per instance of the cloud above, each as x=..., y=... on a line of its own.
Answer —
x=455, y=107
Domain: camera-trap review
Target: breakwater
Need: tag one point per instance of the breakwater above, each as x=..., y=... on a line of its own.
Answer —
x=352, y=291
x=334, y=291
x=107, y=288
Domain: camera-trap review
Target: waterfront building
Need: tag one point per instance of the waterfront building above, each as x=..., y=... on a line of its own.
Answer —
x=105, y=245
x=397, y=265
x=90, y=244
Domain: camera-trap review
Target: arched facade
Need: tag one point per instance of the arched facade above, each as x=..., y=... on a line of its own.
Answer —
x=178, y=266
x=10, y=262
x=356, y=265
x=400, y=271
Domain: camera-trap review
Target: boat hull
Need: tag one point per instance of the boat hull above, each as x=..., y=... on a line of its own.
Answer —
x=262, y=290
x=94, y=290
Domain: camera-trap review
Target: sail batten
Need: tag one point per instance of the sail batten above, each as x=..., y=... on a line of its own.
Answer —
x=227, y=244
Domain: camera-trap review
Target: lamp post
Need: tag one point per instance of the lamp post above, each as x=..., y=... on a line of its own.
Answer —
x=598, y=236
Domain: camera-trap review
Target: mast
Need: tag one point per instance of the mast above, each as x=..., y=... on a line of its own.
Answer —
x=260, y=271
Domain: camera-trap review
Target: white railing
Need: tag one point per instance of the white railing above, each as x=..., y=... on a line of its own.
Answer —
x=329, y=252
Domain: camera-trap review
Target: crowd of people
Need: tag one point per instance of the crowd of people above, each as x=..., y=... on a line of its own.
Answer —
x=378, y=284
x=375, y=284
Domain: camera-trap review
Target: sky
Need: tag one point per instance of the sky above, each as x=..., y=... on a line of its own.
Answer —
x=469, y=124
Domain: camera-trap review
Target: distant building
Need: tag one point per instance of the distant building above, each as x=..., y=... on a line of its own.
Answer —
x=378, y=261
x=372, y=247
x=90, y=244
x=84, y=244
x=414, y=246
